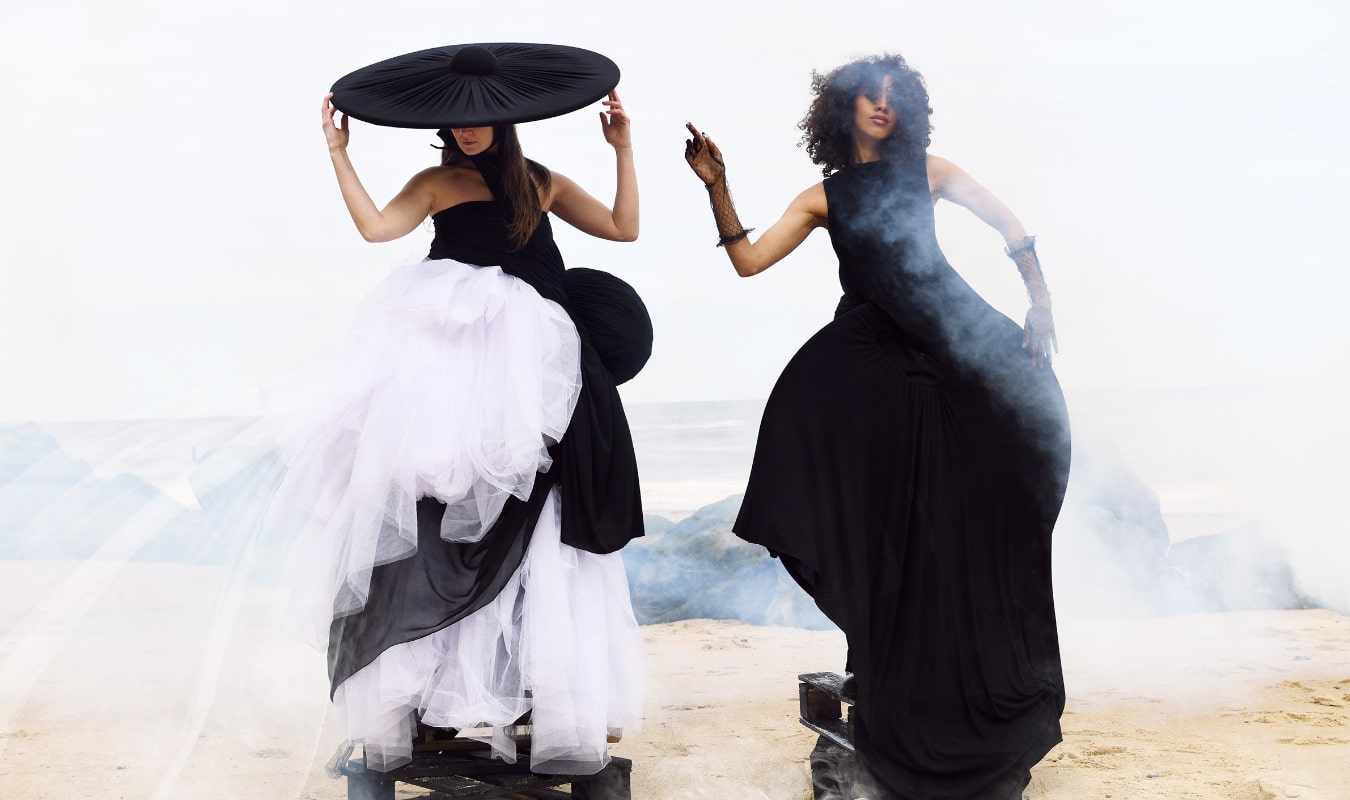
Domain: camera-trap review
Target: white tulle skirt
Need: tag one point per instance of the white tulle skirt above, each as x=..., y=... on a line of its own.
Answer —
x=455, y=381
x=559, y=641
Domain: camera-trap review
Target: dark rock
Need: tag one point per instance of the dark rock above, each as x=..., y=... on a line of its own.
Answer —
x=53, y=506
x=698, y=569
x=1113, y=553
x=656, y=524
x=1239, y=570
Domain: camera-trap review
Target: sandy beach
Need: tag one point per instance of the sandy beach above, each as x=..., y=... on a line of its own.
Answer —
x=118, y=690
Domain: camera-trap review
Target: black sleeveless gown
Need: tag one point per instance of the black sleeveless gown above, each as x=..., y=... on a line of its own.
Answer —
x=909, y=470
x=594, y=465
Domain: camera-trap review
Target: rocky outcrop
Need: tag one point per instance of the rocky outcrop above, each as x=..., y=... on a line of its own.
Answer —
x=54, y=506
x=698, y=569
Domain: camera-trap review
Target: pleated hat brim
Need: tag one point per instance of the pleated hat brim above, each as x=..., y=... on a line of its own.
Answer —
x=475, y=85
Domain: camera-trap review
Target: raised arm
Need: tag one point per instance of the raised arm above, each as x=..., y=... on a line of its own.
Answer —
x=946, y=181
x=401, y=216
x=804, y=214
x=574, y=206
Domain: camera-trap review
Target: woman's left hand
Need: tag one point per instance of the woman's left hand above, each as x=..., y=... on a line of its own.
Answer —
x=615, y=124
x=1039, y=334
x=338, y=135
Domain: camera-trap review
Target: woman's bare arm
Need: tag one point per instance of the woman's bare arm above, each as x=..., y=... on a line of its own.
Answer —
x=576, y=207
x=402, y=215
x=946, y=181
x=573, y=205
x=804, y=214
x=950, y=182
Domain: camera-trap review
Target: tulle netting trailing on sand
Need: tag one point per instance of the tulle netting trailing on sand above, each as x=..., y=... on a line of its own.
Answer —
x=455, y=382
x=568, y=650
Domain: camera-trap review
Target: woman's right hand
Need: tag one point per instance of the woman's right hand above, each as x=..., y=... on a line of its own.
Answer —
x=1038, y=335
x=703, y=156
x=337, y=136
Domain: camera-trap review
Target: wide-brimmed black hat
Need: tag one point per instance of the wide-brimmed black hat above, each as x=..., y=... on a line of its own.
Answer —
x=474, y=85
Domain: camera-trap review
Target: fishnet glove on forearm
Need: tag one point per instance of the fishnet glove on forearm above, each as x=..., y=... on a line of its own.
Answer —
x=729, y=228
x=706, y=161
x=1039, y=331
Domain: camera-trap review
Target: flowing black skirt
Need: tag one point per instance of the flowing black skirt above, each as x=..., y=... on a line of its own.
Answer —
x=913, y=493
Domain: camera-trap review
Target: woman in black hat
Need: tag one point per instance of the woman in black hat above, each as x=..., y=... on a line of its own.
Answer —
x=914, y=453
x=465, y=474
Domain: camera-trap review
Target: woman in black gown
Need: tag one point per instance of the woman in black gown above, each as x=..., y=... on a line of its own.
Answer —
x=913, y=455
x=465, y=474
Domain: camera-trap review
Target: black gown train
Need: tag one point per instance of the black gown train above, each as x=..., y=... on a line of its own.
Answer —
x=909, y=470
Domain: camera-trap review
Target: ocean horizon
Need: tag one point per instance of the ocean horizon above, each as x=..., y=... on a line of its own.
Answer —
x=1185, y=443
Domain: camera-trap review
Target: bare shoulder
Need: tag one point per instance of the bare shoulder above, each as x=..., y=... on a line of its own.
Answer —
x=452, y=185
x=451, y=175
x=559, y=186
x=813, y=203
x=941, y=165
x=554, y=175
x=944, y=176
x=940, y=169
x=432, y=176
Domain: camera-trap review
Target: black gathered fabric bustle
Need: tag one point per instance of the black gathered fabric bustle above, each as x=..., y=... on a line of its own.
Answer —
x=594, y=465
x=910, y=467
x=614, y=317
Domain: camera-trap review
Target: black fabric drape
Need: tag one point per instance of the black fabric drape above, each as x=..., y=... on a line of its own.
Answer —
x=595, y=461
x=909, y=470
x=441, y=584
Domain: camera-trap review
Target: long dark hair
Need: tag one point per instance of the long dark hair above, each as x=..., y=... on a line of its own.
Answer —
x=520, y=178
x=827, y=128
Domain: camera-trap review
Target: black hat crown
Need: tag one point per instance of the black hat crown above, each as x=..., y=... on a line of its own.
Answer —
x=474, y=60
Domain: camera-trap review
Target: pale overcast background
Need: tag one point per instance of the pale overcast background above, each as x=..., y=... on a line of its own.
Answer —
x=173, y=236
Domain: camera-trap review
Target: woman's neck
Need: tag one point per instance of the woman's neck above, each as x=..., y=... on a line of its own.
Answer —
x=865, y=151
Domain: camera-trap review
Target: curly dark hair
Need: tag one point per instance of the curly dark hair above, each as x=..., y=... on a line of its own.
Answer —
x=827, y=128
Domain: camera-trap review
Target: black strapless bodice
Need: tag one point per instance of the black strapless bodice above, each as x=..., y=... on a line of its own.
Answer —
x=595, y=462
x=476, y=233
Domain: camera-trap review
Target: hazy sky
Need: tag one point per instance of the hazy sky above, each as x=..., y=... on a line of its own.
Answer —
x=173, y=234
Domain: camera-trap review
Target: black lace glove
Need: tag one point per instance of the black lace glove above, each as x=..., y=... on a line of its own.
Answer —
x=706, y=161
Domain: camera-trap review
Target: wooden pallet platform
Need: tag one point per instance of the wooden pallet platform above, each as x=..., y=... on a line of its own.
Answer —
x=454, y=767
x=822, y=705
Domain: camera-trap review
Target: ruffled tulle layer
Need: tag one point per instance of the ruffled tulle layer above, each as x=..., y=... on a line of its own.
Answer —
x=455, y=381
x=560, y=641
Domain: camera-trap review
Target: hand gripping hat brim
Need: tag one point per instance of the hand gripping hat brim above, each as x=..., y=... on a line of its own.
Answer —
x=475, y=85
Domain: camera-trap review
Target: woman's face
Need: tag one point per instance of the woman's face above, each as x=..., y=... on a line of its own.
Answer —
x=473, y=140
x=873, y=116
